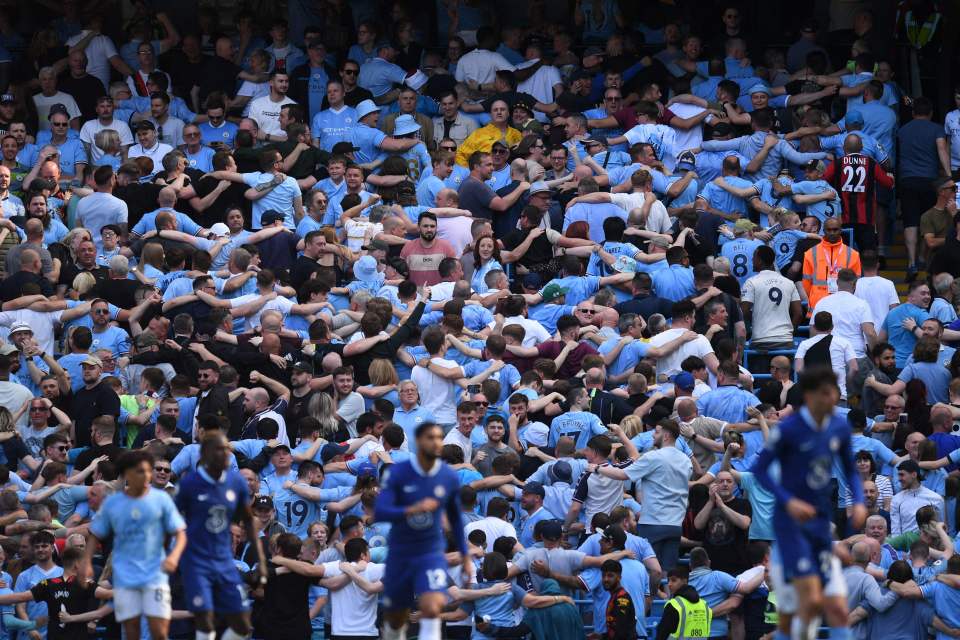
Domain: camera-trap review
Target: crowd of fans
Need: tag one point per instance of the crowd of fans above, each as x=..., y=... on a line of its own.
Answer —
x=596, y=252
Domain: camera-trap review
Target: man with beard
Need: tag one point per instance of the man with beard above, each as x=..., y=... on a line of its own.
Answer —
x=95, y=399
x=424, y=254
x=725, y=521
x=213, y=398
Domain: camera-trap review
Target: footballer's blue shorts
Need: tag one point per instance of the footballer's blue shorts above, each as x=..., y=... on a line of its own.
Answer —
x=805, y=550
x=207, y=589
x=407, y=576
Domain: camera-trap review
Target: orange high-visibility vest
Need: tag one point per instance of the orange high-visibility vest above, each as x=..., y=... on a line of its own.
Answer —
x=822, y=262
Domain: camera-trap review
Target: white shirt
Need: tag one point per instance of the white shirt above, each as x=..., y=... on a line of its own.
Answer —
x=849, y=313
x=437, y=394
x=658, y=220
x=540, y=84
x=534, y=331
x=670, y=364
x=481, y=65
x=494, y=528
x=442, y=291
x=42, y=324
x=688, y=138
x=353, y=611
x=841, y=352
x=156, y=153
x=99, y=51
x=267, y=113
x=880, y=294
x=43, y=104
x=951, y=127
x=456, y=231
x=906, y=503
x=281, y=304
x=14, y=395
x=771, y=295
x=456, y=438
x=90, y=129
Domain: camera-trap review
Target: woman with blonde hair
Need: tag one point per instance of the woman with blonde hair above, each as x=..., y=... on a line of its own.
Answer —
x=73, y=239
x=383, y=383
x=82, y=285
x=108, y=141
x=151, y=263
x=332, y=426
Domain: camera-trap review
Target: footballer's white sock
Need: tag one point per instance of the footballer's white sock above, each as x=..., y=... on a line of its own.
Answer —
x=429, y=629
x=230, y=634
x=389, y=633
x=805, y=631
x=205, y=635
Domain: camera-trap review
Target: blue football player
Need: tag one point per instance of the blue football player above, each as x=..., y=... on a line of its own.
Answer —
x=139, y=519
x=413, y=495
x=210, y=499
x=805, y=445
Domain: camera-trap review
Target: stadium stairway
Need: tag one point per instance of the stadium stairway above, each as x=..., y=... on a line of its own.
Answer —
x=896, y=269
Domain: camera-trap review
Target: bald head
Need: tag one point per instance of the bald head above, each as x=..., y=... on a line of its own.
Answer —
x=259, y=396
x=861, y=552
x=781, y=362
x=595, y=376
x=34, y=229
x=167, y=197
x=30, y=261
x=852, y=144
x=686, y=409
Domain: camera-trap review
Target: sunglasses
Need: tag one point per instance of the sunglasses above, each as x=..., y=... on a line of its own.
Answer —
x=58, y=124
x=38, y=409
x=162, y=469
x=448, y=148
x=63, y=448
x=350, y=72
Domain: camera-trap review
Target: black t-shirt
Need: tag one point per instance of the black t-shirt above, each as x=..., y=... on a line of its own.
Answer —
x=351, y=98
x=302, y=270
x=90, y=403
x=118, y=292
x=14, y=450
x=141, y=198
x=75, y=597
x=217, y=211
x=297, y=407
x=725, y=543
x=540, y=251
x=70, y=271
x=306, y=163
x=279, y=251
x=12, y=285
x=86, y=457
x=85, y=91
x=219, y=75
x=285, y=610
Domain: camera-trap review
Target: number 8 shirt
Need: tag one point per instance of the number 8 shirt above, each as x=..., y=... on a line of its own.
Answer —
x=771, y=294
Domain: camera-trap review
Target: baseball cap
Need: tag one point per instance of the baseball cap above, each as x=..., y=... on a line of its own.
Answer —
x=538, y=187
x=220, y=230
x=686, y=160
x=552, y=291
x=303, y=367
x=532, y=281
x=551, y=530
x=343, y=147
x=743, y=225
x=270, y=216
x=20, y=326
x=7, y=349
x=331, y=450
x=615, y=535
x=594, y=139
x=279, y=447
x=365, y=108
x=416, y=80
x=853, y=119
x=58, y=108
x=684, y=380
x=262, y=502
x=146, y=339
x=93, y=361
x=815, y=165
x=367, y=470
x=560, y=471
x=759, y=88
x=7, y=97
x=535, y=488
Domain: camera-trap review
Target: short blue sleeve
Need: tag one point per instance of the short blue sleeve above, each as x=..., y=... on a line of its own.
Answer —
x=726, y=581
x=172, y=521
